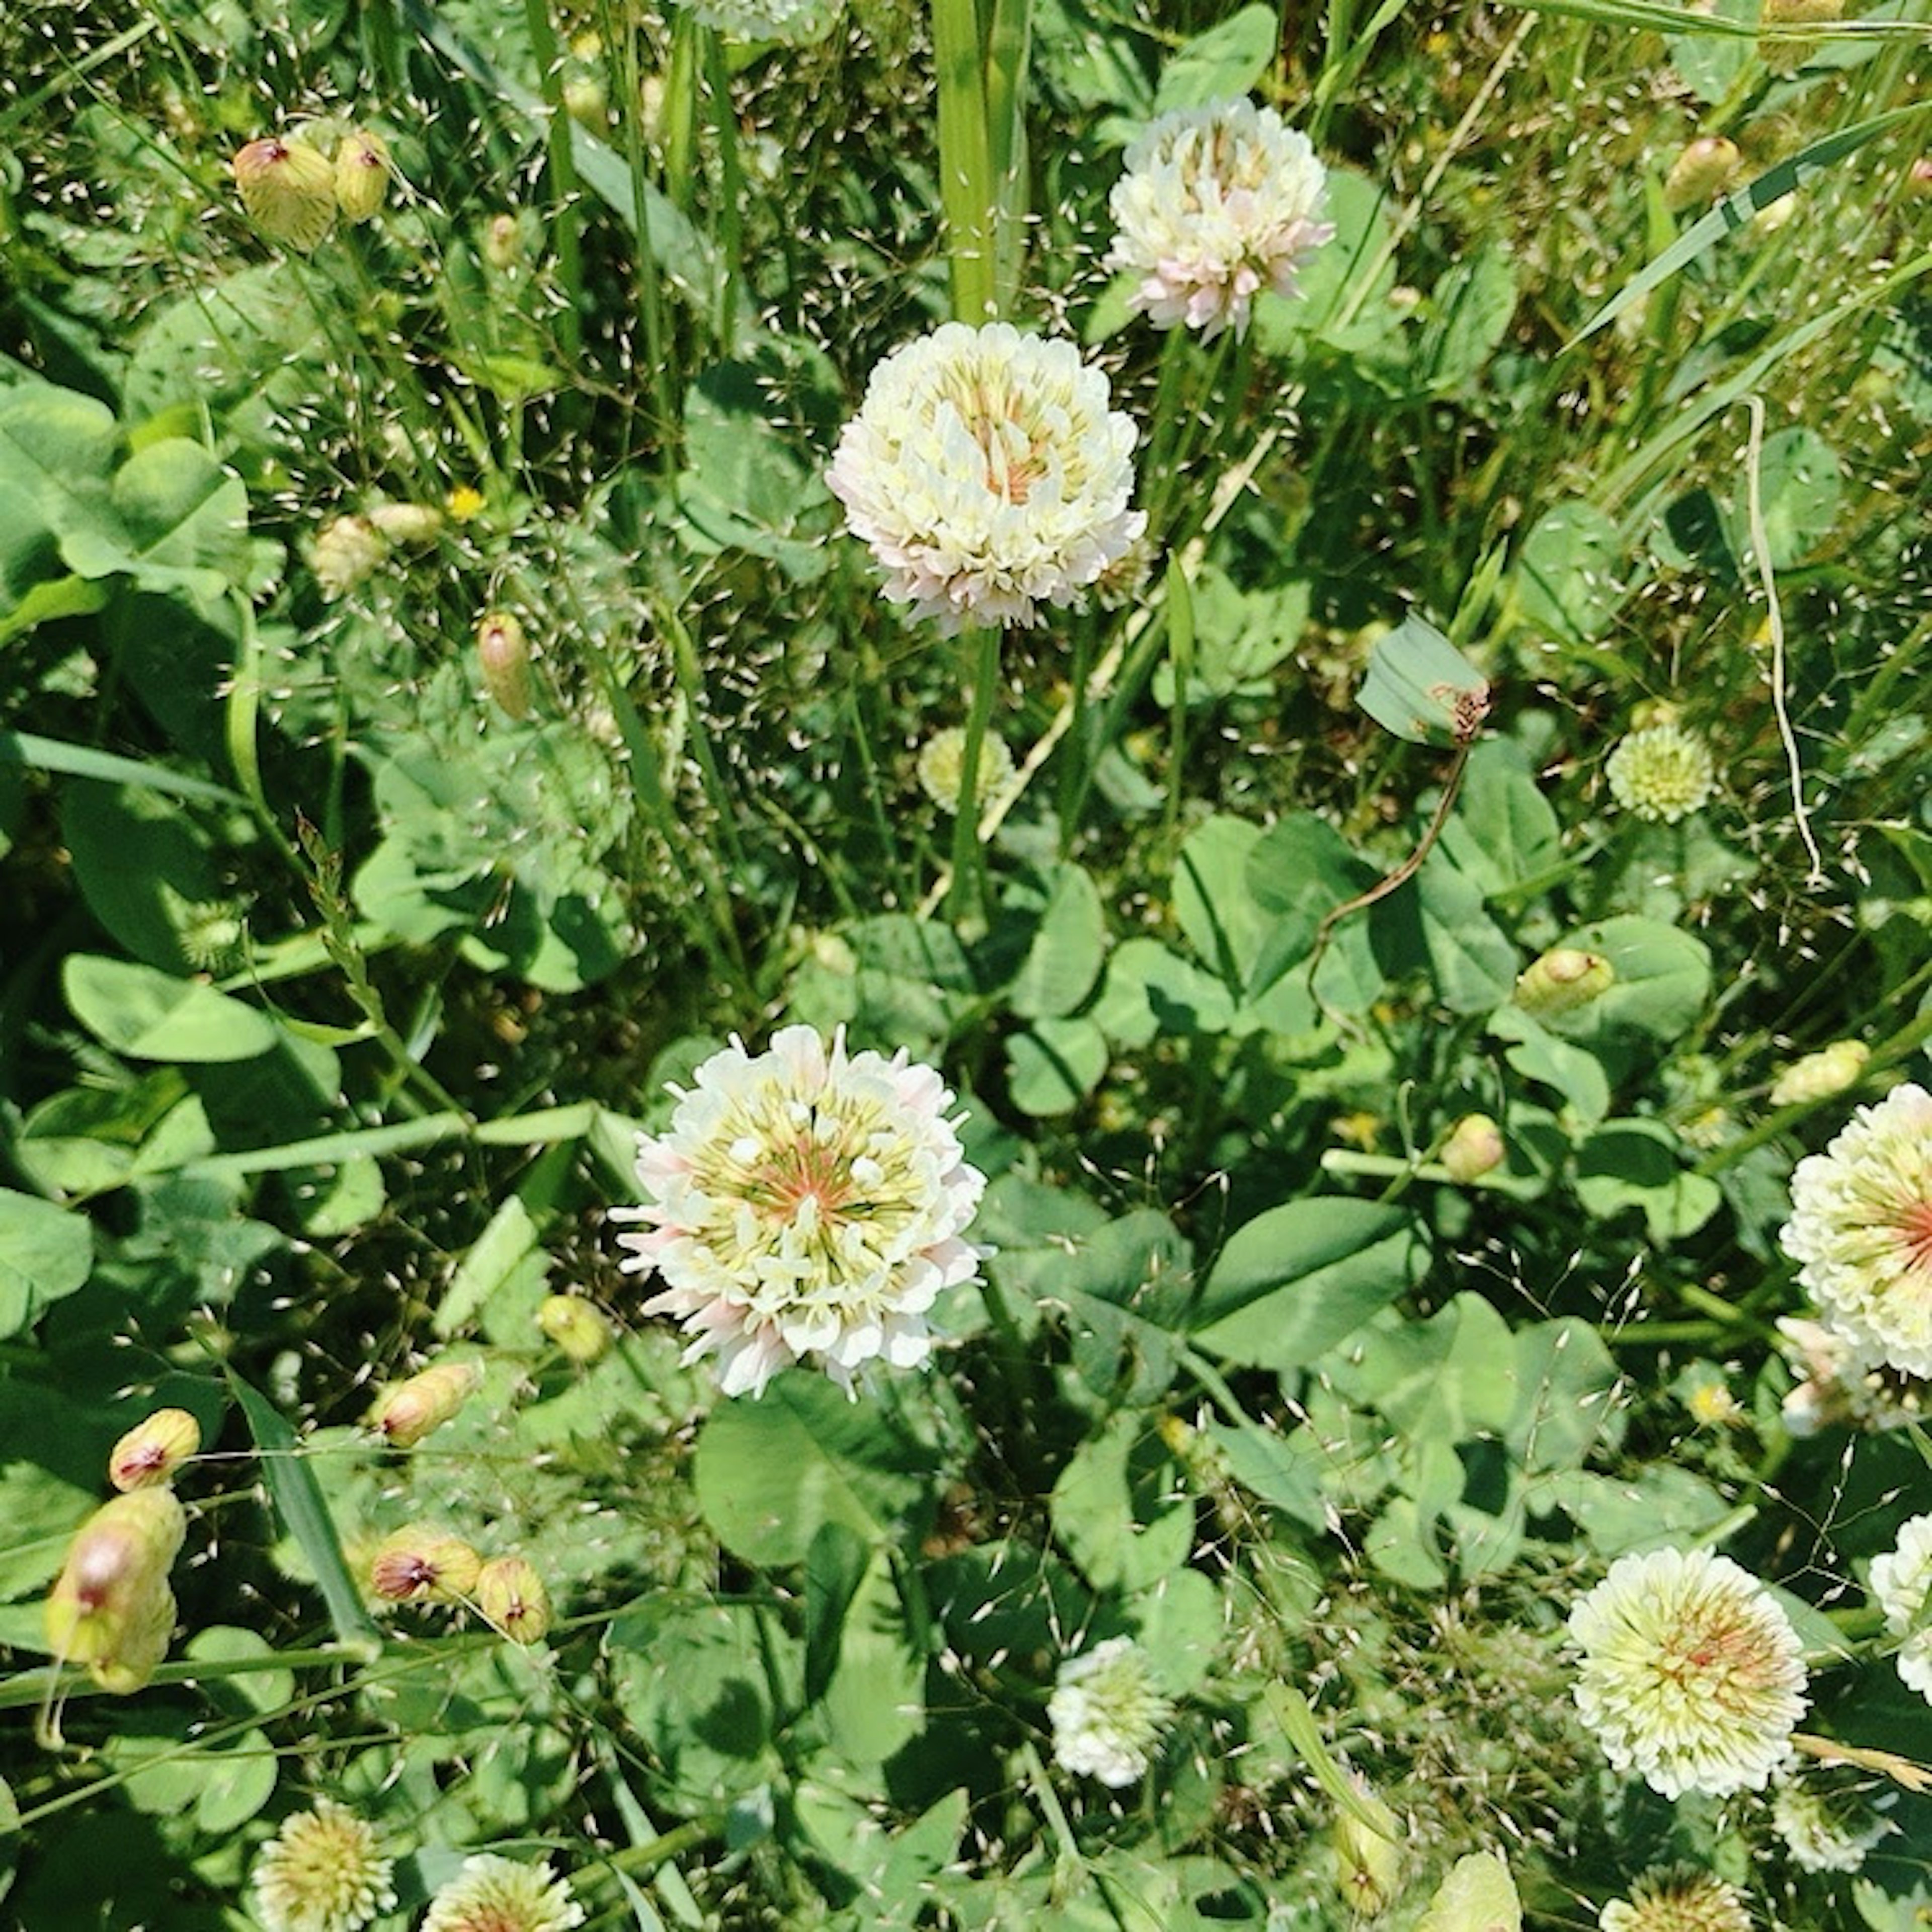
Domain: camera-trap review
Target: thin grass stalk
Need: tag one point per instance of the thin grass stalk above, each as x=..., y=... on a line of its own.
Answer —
x=1181, y=658
x=564, y=223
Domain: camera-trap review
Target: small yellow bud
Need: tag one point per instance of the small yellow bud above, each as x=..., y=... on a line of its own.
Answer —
x=288, y=191
x=1820, y=1075
x=408, y=522
x=362, y=171
x=512, y=1596
x=504, y=652
x=406, y=1411
x=150, y=1452
x=464, y=504
x=1562, y=980
x=1474, y=1147
x=422, y=1565
x=103, y=1603
x=1368, y=1862
x=575, y=1326
x=1701, y=172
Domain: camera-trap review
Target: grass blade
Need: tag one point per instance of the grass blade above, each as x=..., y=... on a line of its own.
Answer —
x=83, y=761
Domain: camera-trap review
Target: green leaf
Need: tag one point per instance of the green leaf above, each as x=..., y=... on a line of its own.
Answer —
x=1478, y=1895
x=1662, y=982
x=771, y=1471
x=1628, y=1164
x=1121, y=1507
x=1052, y=1067
x=1567, y=1070
x=1420, y=687
x=1065, y=957
x=835, y=1565
x=46, y=1252
x=1219, y=64
x=1503, y=831
x=151, y=1015
x=1471, y=959
x=1345, y=286
x=298, y=1501
x=1566, y=1409
x=1151, y=994
x=1800, y=485
x=1567, y=572
x=1298, y=1279
x=1467, y=316
x=143, y=867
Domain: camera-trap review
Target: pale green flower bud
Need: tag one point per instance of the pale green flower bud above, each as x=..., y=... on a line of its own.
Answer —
x=406, y=1411
x=1701, y=172
x=1820, y=1075
x=1368, y=1862
x=504, y=653
x=408, y=522
x=423, y=1565
x=362, y=172
x=131, y=1663
x=104, y=1604
x=288, y=190
x=502, y=243
x=1562, y=980
x=150, y=1452
x=347, y=551
x=575, y=1326
x=1474, y=1147
x=512, y=1596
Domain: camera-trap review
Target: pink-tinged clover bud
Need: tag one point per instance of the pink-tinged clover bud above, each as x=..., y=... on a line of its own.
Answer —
x=361, y=176
x=504, y=653
x=1819, y=1075
x=116, y=1566
x=422, y=1565
x=1701, y=172
x=150, y=1452
x=1473, y=1148
x=406, y=1412
x=408, y=522
x=575, y=1326
x=288, y=190
x=1562, y=980
x=512, y=1596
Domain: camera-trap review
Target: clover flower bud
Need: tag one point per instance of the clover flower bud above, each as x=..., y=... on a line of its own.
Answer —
x=1563, y=980
x=512, y=1596
x=346, y=553
x=1820, y=1075
x=1677, y=1899
x=287, y=190
x=1700, y=172
x=406, y=1411
x=361, y=176
x=420, y=1564
x=1919, y=177
x=504, y=653
x=108, y=1598
x=324, y=1871
x=1662, y=772
x=151, y=1451
x=1368, y=1860
x=502, y=243
x=408, y=522
x=942, y=767
x=143, y=1644
x=575, y=1327
x=1473, y=1148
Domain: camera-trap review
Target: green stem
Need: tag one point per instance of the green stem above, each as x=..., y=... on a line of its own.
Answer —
x=680, y=110
x=563, y=178
x=731, y=215
x=968, y=192
x=965, y=900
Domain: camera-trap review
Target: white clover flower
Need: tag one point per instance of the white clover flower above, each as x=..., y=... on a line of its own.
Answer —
x=1825, y=1829
x=1214, y=205
x=1677, y=1900
x=323, y=1871
x=989, y=474
x=1107, y=1714
x=1664, y=772
x=942, y=764
x=1900, y=1580
x=1690, y=1674
x=790, y=23
x=805, y=1203
x=1860, y=1227
x=496, y=1894
x=1839, y=1384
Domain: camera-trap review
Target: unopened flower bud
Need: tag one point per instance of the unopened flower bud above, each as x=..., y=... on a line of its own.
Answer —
x=347, y=552
x=512, y=1596
x=150, y=1452
x=103, y=1602
x=406, y=1412
x=422, y=1565
x=408, y=522
x=128, y=1666
x=1918, y=178
x=504, y=652
x=586, y=100
x=288, y=190
x=362, y=170
x=1474, y=1147
x=1368, y=1860
x=942, y=767
x=1820, y=1075
x=575, y=1326
x=1701, y=172
x=503, y=242
x=1562, y=980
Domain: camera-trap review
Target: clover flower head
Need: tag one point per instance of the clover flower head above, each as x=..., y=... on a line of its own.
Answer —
x=346, y=553
x=1678, y=1899
x=323, y=1871
x=1826, y=1827
x=1107, y=1713
x=989, y=474
x=497, y=1894
x=942, y=766
x=1838, y=1382
x=1662, y=772
x=1901, y=1581
x=1691, y=1675
x=1861, y=1229
x=1213, y=205
x=791, y=23
x=807, y=1201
